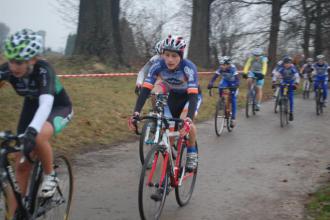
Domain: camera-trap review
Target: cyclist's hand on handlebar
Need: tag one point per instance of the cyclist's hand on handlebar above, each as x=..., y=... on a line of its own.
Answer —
x=132, y=121
x=28, y=140
x=209, y=86
x=137, y=89
x=245, y=76
x=186, y=127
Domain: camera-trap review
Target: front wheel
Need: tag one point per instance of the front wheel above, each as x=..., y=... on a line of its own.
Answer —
x=187, y=180
x=147, y=139
x=151, y=185
x=58, y=206
x=219, y=118
x=282, y=112
x=247, y=105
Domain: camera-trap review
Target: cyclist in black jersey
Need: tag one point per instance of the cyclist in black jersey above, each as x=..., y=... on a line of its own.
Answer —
x=46, y=110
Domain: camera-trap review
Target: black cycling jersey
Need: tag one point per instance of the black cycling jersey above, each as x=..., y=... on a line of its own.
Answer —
x=42, y=80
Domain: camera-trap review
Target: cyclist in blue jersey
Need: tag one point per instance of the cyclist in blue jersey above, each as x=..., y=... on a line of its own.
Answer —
x=180, y=76
x=288, y=74
x=230, y=78
x=320, y=76
x=47, y=108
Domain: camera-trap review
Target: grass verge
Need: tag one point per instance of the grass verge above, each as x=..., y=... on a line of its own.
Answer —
x=101, y=108
x=318, y=206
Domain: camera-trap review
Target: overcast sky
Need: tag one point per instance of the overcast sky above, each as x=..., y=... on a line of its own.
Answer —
x=36, y=15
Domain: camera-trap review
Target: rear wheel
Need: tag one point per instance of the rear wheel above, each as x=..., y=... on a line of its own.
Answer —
x=187, y=180
x=150, y=183
x=58, y=206
x=147, y=139
x=219, y=118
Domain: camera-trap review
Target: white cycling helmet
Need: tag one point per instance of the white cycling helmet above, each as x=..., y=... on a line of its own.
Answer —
x=159, y=47
x=320, y=57
x=175, y=44
x=23, y=45
x=224, y=60
x=257, y=52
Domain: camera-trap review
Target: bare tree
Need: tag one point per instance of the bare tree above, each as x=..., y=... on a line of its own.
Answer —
x=199, y=48
x=99, y=32
x=4, y=31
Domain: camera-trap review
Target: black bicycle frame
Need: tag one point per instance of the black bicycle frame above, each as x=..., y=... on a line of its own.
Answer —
x=24, y=208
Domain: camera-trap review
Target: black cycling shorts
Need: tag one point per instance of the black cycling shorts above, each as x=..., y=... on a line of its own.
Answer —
x=59, y=117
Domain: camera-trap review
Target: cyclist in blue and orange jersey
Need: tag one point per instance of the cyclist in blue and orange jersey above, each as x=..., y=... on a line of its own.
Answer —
x=180, y=75
x=288, y=74
x=256, y=67
x=320, y=76
x=46, y=110
x=230, y=78
x=145, y=69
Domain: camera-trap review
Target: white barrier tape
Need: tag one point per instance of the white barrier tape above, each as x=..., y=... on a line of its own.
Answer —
x=104, y=75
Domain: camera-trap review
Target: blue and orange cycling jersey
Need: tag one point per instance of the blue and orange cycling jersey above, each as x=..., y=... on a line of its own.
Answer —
x=182, y=80
x=230, y=74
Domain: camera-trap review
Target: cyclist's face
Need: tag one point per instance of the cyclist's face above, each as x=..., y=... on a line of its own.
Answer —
x=18, y=68
x=172, y=59
x=320, y=61
x=287, y=65
x=224, y=66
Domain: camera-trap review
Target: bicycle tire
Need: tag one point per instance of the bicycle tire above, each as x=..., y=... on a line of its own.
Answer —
x=286, y=110
x=276, y=104
x=318, y=102
x=247, y=105
x=58, y=206
x=157, y=155
x=254, y=101
x=183, y=199
x=228, y=122
x=281, y=112
x=219, y=118
x=144, y=147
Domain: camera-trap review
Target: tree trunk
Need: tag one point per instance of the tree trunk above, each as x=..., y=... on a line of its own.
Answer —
x=307, y=29
x=274, y=30
x=199, y=47
x=98, y=31
x=318, y=46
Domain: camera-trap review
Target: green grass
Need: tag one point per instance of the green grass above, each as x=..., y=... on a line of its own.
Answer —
x=318, y=206
x=101, y=108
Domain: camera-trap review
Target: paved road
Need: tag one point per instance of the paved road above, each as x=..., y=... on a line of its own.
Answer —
x=258, y=172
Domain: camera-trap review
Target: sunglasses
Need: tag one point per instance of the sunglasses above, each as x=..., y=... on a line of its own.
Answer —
x=17, y=62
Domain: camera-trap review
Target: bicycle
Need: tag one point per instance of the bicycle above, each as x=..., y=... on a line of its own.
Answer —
x=284, y=104
x=306, y=88
x=31, y=206
x=319, y=98
x=251, y=101
x=167, y=172
x=223, y=114
x=150, y=133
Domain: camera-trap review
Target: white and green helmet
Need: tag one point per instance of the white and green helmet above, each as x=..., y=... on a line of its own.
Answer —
x=23, y=45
